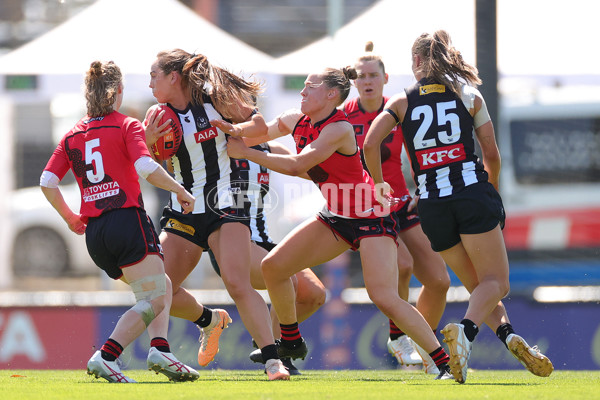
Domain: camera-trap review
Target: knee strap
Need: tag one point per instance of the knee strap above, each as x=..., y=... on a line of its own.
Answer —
x=146, y=290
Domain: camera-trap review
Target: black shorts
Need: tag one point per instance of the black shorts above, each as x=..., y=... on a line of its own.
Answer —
x=475, y=209
x=197, y=227
x=120, y=238
x=268, y=246
x=406, y=219
x=352, y=231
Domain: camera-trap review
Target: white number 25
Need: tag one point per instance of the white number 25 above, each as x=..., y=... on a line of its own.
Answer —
x=443, y=117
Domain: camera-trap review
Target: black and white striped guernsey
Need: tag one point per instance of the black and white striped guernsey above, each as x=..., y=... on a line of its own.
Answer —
x=252, y=180
x=201, y=163
x=439, y=137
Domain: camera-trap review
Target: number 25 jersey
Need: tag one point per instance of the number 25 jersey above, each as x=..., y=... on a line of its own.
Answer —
x=438, y=134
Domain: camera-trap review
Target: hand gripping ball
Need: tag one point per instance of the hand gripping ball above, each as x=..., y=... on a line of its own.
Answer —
x=166, y=146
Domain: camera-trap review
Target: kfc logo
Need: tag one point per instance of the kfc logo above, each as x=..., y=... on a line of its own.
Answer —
x=440, y=156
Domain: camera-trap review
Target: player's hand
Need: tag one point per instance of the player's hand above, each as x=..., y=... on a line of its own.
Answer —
x=383, y=194
x=186, y=200
x=153, y=130
x=236, y=148
x=413, y=204
x=76, y=224
x=230, y=129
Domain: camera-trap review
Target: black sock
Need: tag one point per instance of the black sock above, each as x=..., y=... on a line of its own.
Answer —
x=290, y=335
x=471, y=330
x=269, y=352
x=111, y=350
x=205, y=318
x=503, y=331
x=161, y=344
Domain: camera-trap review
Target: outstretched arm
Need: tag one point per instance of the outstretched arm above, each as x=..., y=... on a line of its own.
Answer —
x=278, y=148
x=379, y=130
x=331, y=139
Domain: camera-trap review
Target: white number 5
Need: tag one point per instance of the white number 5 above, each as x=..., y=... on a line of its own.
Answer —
x=96, y=157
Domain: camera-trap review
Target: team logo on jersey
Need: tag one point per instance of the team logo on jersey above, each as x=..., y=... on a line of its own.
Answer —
x=359, y=130
x=432, y=158
x=201, y=121
x=206, y=134
x=178, y=226
x=263, y=178
x=300, y=141
x=435, y=88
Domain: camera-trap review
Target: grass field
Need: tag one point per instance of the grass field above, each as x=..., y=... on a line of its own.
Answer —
x=312, y=385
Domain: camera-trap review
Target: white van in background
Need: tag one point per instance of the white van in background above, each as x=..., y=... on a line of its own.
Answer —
x=550, y=180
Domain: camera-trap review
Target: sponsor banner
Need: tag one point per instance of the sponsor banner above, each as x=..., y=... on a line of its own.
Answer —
x=339, y=336
x=47, y=337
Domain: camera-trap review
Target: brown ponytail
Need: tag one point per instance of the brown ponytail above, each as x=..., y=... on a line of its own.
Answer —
x=102, y=81
x=443, y=62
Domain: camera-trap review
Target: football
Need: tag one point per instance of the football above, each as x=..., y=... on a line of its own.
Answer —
x=167, y=145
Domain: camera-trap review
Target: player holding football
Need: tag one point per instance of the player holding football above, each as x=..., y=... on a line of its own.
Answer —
x=107, y=151
x=201, y=164
x=460, y=208
x=414, y=249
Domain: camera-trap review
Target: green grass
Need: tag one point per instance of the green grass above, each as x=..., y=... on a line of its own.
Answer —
x=312, y=385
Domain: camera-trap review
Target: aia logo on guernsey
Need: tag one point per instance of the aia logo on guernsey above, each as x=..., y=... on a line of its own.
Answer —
x=263, y=178
x=435, y=157
x=206, y=134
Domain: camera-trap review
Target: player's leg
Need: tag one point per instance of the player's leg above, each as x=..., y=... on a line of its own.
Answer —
x=310, y=244
x=398, y=343
x=235, y=271
x=380, y=274
x=181, y=257
x=148, y=283
x=430, y=269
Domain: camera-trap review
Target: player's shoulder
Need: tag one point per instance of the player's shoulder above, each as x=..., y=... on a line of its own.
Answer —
x=290, y=118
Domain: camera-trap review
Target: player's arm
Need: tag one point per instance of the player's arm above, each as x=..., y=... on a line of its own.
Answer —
x=149, y=169
x=278, y=148
x=49, y=185
x=252, y=125
x=484, y=131
x=332, y=138
x=278, y=127
x=381, y=127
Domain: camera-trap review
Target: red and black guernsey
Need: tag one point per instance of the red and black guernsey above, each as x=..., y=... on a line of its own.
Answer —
x=346, y=186
x=391, y=147
x=101, y=152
